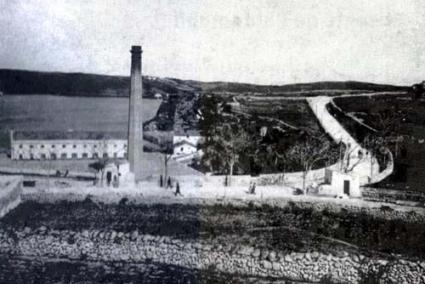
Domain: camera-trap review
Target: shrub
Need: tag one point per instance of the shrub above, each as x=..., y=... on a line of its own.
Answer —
x=123, y=201
x=386, y=208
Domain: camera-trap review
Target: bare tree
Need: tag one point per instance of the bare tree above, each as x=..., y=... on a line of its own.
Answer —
x=309, y=152
x=346, y=160
x=375, y=145
x=233, y=140
x=166, y=148
x=388, y=124
x=281, y=155
x=167, y=157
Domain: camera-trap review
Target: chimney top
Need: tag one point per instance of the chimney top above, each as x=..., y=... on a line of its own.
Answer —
x=136, y=49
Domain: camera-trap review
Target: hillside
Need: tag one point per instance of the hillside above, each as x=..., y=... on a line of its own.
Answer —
x=303, y=87
x=81, y=84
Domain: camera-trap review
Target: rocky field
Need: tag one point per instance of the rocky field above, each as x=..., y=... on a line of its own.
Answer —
x=220, y=242
x=135, y=251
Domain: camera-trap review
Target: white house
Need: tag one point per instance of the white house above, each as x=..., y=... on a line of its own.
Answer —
x=184, y=148
x=192, y=136
x=185, y=144
x=340, y=184
x=43, y=145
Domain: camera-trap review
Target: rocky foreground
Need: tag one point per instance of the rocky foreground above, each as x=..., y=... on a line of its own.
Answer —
x=132, y=247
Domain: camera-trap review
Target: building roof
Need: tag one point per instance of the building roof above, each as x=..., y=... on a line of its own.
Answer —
x=69, y=135
x=189, y=132
x=184, y=142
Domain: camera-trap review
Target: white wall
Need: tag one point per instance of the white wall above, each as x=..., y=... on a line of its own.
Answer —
x=184, y=149
x=335, y=187
x=294, y=179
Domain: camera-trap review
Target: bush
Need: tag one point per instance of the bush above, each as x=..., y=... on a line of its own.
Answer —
x=123, y=201
x=386, y=208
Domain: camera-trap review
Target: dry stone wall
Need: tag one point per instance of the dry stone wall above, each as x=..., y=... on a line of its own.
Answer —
x=134, y=247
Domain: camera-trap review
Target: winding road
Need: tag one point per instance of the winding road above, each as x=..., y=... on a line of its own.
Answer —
x=367, y=167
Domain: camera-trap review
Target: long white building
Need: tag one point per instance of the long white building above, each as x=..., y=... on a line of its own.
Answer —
x=44, y=145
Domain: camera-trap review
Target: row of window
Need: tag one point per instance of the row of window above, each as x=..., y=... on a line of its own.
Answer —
x=72, y=156
x=64, y=146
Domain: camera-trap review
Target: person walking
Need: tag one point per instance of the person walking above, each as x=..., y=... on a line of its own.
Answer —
x=177, y=189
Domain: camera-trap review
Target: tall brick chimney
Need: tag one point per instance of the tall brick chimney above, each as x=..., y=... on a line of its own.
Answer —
x=135, y=122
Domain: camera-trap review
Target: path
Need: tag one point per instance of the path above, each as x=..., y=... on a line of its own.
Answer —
x=296, y=98
x=365, y=169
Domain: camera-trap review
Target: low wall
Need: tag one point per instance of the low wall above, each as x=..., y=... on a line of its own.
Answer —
x=293, y=179
x=132, y=247
x=43, y=172
x=10, y=193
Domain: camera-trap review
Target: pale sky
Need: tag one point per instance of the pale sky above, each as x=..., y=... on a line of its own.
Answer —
x=265, y=42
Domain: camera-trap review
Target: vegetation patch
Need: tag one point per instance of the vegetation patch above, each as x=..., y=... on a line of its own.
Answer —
x=399, y=122
x=248, y=139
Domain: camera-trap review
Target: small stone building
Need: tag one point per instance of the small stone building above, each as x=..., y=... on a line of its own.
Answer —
x=340, y=184
x=115, y=174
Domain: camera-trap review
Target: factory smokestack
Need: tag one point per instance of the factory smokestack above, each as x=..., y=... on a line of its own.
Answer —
x=135, y=122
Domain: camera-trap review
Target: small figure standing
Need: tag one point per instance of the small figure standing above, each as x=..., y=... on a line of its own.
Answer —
x=252, y=188
x=169, y=185
x=161, y=181
x=177, y=189
x=108, y=178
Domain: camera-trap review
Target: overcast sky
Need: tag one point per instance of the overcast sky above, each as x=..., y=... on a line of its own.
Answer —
x=266, y=42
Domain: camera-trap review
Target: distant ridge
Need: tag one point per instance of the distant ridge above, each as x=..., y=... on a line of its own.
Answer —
x=95, y=85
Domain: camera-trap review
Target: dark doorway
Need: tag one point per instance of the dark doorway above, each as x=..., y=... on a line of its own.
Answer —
x=347, y=187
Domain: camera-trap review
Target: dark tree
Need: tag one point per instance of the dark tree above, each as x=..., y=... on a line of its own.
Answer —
x=99, y=166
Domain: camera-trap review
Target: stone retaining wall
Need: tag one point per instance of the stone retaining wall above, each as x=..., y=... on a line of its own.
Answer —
x=231, y=258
